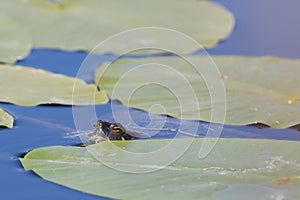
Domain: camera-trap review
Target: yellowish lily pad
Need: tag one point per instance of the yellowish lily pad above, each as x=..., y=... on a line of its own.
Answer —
x=15, y=42
x=6, y=119
x=247, y=89
x=232, y=170
x=29, y=86
x=76, y=24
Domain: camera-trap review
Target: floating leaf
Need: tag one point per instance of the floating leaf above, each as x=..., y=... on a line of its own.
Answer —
x=252, y=89
x=234, y=168
x=15, y=42
x=76, y=24
x=29, y=86
x=6, y=119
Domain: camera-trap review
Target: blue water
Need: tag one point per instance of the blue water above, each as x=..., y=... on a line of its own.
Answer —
x=269, y=27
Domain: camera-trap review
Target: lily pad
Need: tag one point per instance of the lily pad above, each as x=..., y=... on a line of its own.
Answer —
x=247, y=89
x=6, y=119
x=82, y=25
x=15, y=42
x=234, y=168
x=29, y=86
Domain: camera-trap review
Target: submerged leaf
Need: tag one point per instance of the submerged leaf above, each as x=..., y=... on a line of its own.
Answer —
x=29, y=86
x=15, y=42
x=6, y=119
x=234, y=168
x=251, y=89
x=76, y=24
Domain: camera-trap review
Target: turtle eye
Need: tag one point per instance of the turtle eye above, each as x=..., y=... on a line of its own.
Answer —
x=117, y=130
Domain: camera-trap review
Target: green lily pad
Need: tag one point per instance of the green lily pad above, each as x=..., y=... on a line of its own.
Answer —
x=6, y=119
x=76, y=24
x=29, y=86
x=247, y=89
x=15, y=42
x=234, y=168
